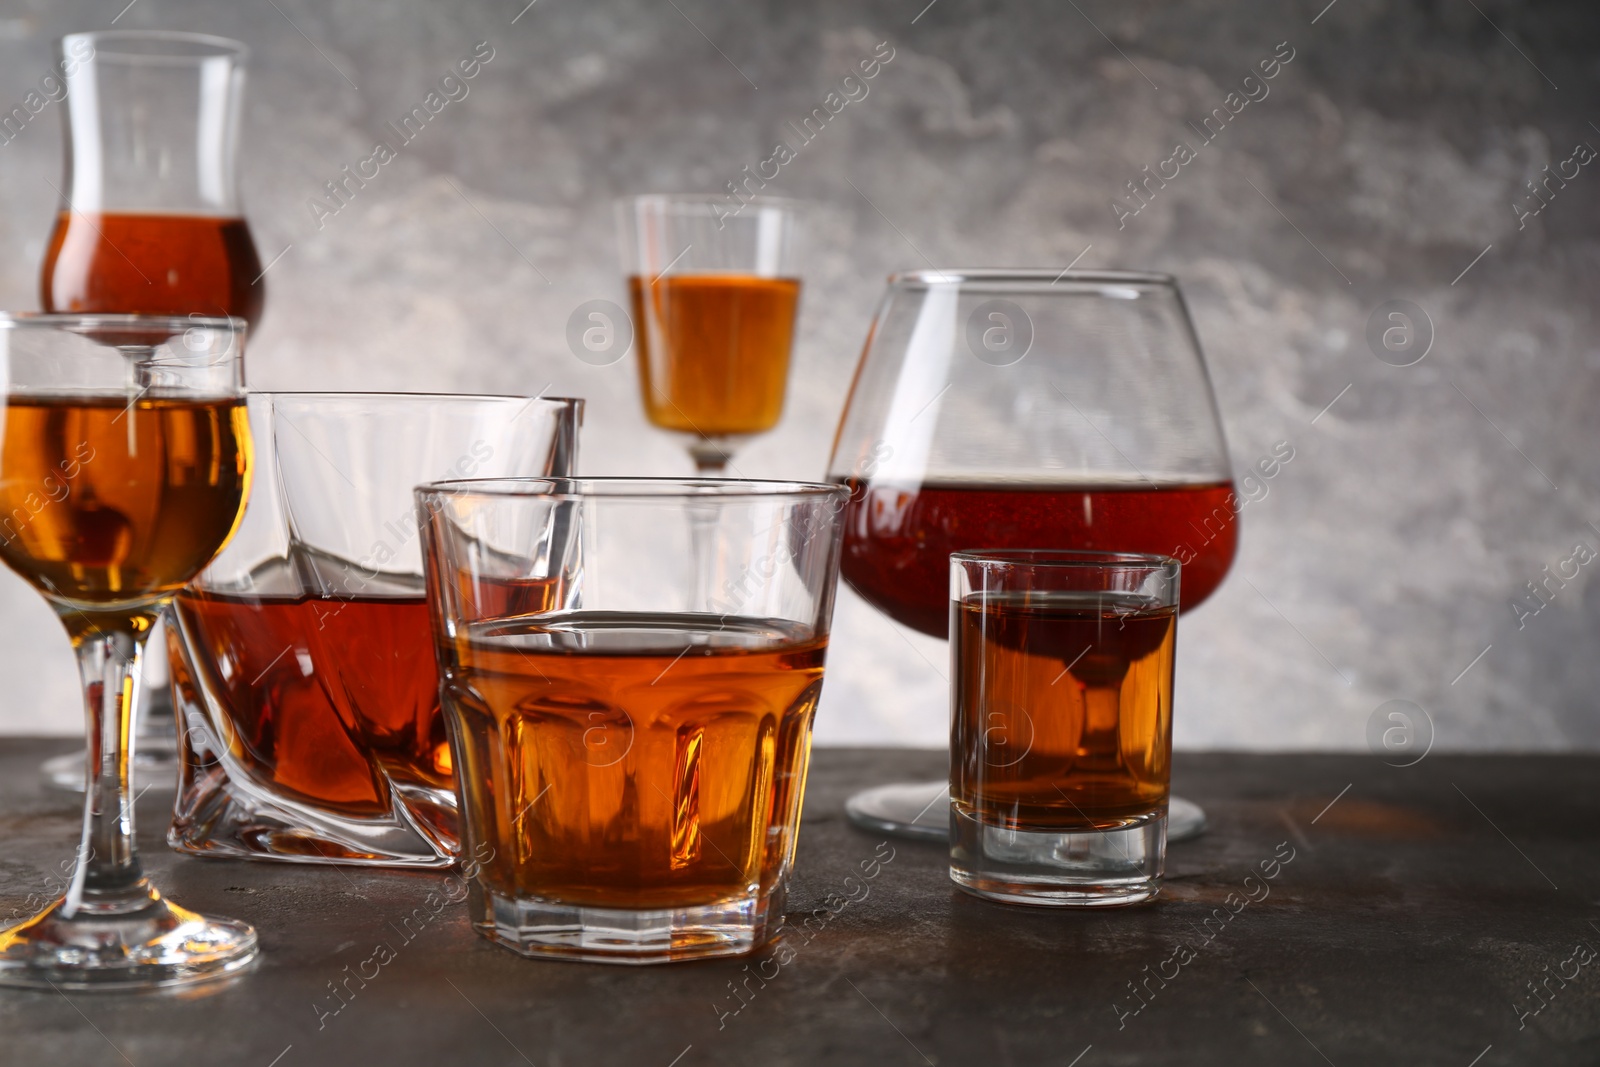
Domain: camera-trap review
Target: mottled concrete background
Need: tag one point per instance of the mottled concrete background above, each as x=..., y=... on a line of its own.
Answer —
x=1385, y=161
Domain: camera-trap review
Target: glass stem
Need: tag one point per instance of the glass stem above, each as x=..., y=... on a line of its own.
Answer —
x=1100, y=747
x=703, y=545
x=108, y=878
x=710, y=461
x=710, y=455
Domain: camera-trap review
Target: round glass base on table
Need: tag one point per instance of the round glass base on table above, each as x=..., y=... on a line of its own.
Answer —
x=920, y=811
x=131, y=939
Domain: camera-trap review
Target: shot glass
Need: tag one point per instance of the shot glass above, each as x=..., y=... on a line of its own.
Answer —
x=1061, y=724
x=628, y=670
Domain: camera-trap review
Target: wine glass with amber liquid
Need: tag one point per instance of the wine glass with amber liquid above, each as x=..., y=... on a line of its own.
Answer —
x=125, y=461
x=714, y=293
x=1027, y=410
x=150, y=223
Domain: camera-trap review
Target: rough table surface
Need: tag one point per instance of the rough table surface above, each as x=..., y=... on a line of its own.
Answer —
x=1408, y=911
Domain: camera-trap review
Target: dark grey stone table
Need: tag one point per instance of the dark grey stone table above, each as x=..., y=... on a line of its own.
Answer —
x=1408, y=911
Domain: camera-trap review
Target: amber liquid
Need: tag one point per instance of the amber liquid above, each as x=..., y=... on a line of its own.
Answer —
x=141, y=264
x=104, y=500
x=606, y=766
x=714, y=350
x=898, y=539
x=1063, y=709
x=330, y=697
x=321, y=692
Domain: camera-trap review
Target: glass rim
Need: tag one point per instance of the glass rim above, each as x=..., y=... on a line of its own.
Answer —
x=201, y=46
x=1033, y=279
x=694, y=203
x=1067, y=558
x=628, y=487
x=400, y=394
x=58, y=320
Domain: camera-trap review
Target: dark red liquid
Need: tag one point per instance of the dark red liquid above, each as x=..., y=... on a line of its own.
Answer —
x=138, y=264
x=898, y=539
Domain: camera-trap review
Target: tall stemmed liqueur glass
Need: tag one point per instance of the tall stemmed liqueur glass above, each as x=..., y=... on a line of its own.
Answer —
x=125, y=460
x=1025, y=409
x=714, y=294
x=150, y=222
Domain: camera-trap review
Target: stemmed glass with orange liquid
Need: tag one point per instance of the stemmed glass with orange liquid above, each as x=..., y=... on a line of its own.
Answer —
x=150, y=222
x=714, y=295
x=125, y=462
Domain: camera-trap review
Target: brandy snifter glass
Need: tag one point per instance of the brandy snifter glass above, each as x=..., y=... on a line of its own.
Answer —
x=1028, y=409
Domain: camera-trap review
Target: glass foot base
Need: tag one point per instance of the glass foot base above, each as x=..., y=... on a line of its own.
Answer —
x=920, y=811
x=1053, y=868
x=544, y=928
x=1186, y=820
x=158, y=944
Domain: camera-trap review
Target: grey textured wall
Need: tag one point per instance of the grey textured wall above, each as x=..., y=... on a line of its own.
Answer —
x=1385, y=161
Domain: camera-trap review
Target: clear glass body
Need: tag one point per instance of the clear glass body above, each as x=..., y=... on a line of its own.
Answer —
x=629, y=669
x=150, y=220
x=1024, y=409
x=1061, y=724
x=124, y=466
x=302, y=662
x=714, y=291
